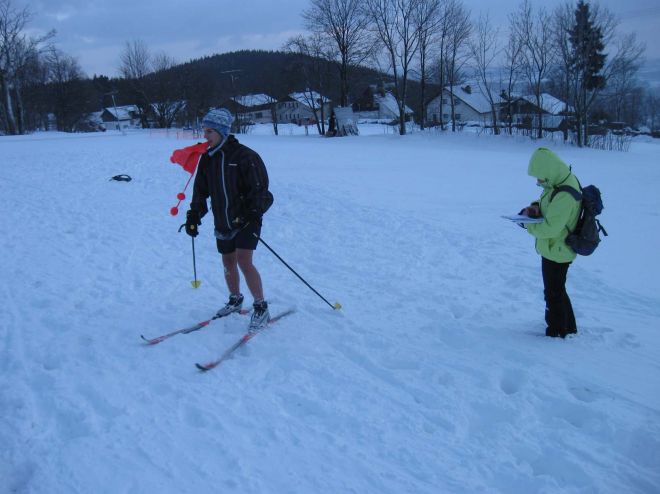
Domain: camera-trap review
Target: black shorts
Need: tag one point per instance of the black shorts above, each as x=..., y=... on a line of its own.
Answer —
x=243, y=240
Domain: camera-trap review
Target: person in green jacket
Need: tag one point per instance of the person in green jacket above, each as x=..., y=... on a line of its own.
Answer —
x=560, y=216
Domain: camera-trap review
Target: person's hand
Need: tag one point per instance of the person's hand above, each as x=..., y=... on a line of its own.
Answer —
x=192, y=222
x=238, y=223
x=532, y=211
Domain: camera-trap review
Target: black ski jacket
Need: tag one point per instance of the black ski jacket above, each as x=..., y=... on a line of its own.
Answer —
x=235, y=178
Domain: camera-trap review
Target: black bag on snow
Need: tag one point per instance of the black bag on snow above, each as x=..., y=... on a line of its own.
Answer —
x=585, y=238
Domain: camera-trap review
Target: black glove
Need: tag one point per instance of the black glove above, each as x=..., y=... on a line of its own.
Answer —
x=192, y=222
x=238, y=223
x=251, y=217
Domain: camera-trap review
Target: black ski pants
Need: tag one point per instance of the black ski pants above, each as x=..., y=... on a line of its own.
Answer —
x=559, y=315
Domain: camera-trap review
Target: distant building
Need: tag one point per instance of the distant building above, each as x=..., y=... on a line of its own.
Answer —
x=378, y=102
x=303, y=108
x=252, y=108
x=91, y=122
x=470, y=104
x=554, y=112
x=124, y=117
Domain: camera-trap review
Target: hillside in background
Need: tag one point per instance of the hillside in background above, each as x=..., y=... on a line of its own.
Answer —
x=209, y=81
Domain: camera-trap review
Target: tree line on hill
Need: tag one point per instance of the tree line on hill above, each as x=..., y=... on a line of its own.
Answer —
x=574, y=52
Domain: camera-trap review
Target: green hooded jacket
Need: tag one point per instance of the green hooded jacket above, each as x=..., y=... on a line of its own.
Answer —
x=559, y=216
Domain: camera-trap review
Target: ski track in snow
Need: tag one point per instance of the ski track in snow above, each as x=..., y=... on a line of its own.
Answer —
x=432, y=378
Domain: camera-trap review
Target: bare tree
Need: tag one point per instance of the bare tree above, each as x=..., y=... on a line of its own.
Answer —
x=441, y=46
x=343, y=23
x=652, y=106
x=485, y=50
x=65, y=89
x=135, y=60
x=166, y=90
x=511, y=70
x=428, y=19
x=161, y=61
x=17, y=52
x=313, y=63
x=395, y=29
x=457, y=52
x=535, y=33
x=12, y=23
x=25, y=57
x=135, y=64
x=621, y=75
x=563, y=20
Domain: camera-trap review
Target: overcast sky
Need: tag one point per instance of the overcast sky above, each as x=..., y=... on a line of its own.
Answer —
x=95, y=31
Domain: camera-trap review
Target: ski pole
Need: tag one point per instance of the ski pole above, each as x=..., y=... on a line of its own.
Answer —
x=195, y=283
x=336, y=306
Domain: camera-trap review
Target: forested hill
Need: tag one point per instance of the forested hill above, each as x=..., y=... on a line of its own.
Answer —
x=202, y=83
x=210, y=80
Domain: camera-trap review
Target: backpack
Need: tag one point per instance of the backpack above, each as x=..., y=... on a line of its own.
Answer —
x=585, y=238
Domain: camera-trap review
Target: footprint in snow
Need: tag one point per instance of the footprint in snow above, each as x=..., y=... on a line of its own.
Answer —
x=512, y=381
x=584, y=394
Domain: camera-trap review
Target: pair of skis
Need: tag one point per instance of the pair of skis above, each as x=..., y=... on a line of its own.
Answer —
x=241, y=341
x=196, y=327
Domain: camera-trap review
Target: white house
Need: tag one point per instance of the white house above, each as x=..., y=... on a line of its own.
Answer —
x=388, y=107
x=303, y=108
x=255, y=108
x=470, y=104
x=120, y=117
x=377, y=102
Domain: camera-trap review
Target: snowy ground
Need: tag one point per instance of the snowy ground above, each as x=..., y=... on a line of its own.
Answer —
x=432, y=378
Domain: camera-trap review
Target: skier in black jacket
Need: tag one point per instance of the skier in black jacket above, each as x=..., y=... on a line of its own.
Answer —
x=235, y=178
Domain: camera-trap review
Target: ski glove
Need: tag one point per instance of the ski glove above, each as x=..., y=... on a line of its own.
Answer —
x=533, y=210
x=251, y=217
x=192, y=222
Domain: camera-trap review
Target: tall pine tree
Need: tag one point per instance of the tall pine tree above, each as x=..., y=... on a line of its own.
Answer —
x=587, y=62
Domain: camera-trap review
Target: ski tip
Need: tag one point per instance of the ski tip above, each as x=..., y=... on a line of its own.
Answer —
x=204, y=368
x=150, y=342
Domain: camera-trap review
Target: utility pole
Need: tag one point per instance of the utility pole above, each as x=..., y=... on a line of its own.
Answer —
x=114, y=104
x=234, y=95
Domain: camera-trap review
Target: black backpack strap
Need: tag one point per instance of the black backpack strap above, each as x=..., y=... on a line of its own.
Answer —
x=565, y=188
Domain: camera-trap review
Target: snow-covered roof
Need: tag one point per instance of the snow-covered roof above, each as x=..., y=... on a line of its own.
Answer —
x=304, y=97
x=389, y=102
x=95, y=117
x=549, y=103
x=123, y=112
x=250, y=100
x=474, y=98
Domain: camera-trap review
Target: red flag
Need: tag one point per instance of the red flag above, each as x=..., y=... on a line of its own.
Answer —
x=188, y=158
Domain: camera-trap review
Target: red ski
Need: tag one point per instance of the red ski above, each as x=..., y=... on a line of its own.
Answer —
x=242, y=341
x=198, y=326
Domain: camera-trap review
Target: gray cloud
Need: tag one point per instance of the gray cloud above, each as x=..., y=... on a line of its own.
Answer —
x=96, y=31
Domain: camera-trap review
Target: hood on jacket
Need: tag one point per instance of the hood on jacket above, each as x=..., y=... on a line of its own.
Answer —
x=225, y=143
x=546, y=165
